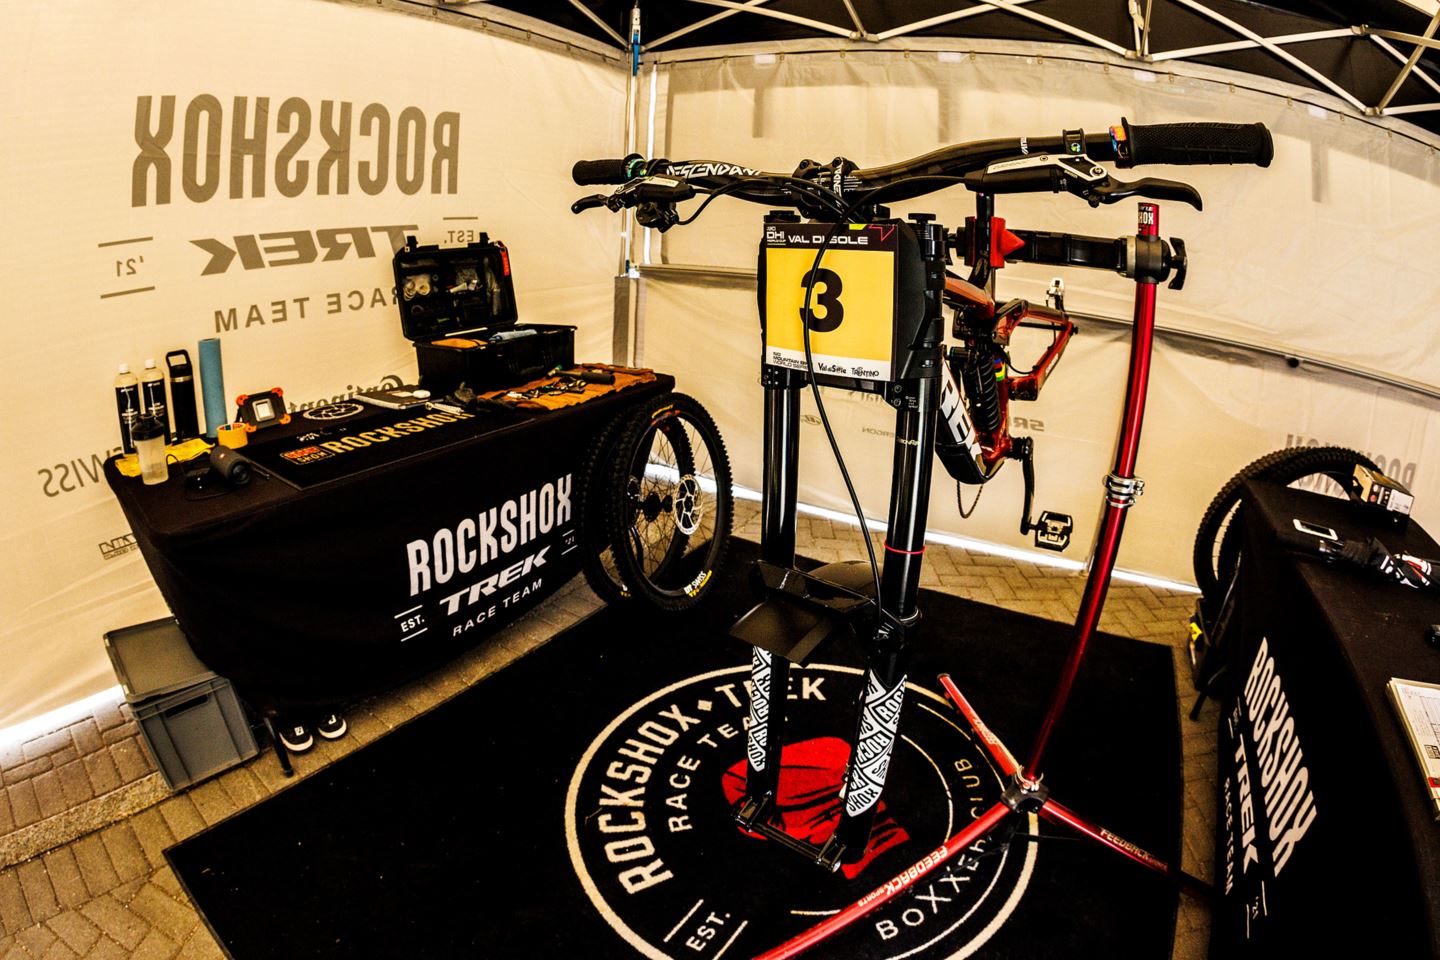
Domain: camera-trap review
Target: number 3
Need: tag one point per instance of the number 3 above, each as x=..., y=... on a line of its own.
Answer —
x=829, y=299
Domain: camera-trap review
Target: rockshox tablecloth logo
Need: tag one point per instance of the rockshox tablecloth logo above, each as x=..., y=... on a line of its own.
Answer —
x=237, y=153
x=396, y=431
x=1268, y=806
x=475, y=541
x=652, y=841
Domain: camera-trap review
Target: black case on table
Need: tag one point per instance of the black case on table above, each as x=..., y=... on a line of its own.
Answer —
x=468, y=293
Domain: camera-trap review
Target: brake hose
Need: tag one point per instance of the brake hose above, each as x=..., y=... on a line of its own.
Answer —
x=805, y=317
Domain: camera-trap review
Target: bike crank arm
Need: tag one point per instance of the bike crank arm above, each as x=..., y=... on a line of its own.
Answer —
x=1052, y=531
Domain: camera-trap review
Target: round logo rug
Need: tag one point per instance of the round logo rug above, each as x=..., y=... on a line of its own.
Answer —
x=650, y=834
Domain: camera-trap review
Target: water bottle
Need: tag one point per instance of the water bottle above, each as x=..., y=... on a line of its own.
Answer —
x=150, y=447
x=182, y=394
x=152, y=394
x=127, y=405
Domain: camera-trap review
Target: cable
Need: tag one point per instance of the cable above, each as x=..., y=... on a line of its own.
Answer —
x=1054, y=338
x=830, y=200
x=810, y=189
x=806, y=316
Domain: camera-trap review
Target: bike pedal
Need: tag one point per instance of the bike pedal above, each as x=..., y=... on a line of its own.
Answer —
x=1053, y=531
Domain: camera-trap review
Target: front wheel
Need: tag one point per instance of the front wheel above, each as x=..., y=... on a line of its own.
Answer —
x=670, y=502
x=598, y=564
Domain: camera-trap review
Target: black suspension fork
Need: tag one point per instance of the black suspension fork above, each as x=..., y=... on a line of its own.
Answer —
x=770, y=674
x=882, y=692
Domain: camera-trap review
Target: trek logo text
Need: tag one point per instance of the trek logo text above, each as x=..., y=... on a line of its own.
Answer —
x=286, y=248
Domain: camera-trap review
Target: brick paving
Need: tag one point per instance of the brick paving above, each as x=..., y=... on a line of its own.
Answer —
x=85, y=817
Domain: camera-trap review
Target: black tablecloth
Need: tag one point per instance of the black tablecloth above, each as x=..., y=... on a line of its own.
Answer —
x=1326, y=835
x=343, y=588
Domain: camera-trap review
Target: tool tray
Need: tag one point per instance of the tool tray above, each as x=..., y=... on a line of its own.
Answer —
x=457, y=305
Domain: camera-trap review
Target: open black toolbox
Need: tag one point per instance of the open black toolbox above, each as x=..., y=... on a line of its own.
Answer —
x=457, y=305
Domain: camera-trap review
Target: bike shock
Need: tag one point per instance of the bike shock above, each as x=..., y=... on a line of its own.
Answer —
x=978, y=376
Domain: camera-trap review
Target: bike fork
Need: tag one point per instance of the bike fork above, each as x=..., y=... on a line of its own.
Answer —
x=883, y=686
x=770, y=674
x=882, y=693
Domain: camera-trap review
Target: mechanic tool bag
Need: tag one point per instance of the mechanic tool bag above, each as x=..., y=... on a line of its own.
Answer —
x=457, y=305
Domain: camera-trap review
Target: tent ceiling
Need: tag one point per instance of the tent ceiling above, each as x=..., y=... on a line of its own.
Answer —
x=1358, y=52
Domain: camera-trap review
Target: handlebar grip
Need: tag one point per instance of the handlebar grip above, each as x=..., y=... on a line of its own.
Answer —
x=588, y=172
x=1198, y=143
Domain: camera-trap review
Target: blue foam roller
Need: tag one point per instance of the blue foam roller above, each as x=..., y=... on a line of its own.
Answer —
x=212, y=386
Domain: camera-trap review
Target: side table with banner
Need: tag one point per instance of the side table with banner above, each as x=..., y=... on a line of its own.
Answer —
x=364, y=553
x=1326, y=834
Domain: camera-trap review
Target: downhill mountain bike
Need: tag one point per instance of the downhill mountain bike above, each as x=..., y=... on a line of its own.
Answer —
x=853, y=298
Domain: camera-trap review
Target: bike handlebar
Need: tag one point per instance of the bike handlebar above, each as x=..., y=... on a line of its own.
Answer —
x=1196, y=143
x=1011, y=165
x=1127, y=145
x=591, y=172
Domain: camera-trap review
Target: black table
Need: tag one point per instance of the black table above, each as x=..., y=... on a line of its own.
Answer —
x=342, y=588
x=1326, y=837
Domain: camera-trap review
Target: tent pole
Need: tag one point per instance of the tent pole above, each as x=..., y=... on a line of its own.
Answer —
x=625, y=344
x=627, y=140
x=1409, y=65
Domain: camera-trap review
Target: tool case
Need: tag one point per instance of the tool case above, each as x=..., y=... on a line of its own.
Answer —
x=457, y=305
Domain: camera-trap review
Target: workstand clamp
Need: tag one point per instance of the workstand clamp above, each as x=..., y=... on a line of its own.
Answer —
x=1123, y=491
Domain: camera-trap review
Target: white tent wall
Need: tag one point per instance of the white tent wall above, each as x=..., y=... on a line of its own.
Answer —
x=1322, y=256
x=73, y=88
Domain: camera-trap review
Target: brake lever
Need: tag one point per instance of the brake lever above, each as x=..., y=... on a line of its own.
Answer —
x=589, y=203
x=1112, y=190
x=649, y=191
x=661, y=190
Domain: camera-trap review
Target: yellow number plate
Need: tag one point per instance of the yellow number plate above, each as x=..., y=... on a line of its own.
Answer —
x=853, y=304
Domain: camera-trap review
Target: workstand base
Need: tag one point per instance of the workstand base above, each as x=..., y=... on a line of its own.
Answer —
x=1024, y=796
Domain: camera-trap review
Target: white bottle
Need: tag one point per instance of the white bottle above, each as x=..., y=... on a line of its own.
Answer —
x=127, y=405
x=152, y=394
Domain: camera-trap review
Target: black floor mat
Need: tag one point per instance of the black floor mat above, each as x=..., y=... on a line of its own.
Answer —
x=575, y=805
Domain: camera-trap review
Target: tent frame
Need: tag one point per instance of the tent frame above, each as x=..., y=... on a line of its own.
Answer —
x=636, y=266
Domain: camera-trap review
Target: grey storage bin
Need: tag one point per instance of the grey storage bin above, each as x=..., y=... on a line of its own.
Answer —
x=190, y=718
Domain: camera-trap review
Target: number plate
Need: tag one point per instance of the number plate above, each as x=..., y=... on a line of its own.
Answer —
x=852, y=308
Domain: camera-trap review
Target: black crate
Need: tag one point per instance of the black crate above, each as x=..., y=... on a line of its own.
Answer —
x=457, y=305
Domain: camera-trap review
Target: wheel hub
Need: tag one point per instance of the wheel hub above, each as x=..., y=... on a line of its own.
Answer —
x=688, y=509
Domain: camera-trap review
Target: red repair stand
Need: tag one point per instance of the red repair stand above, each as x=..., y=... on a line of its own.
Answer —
x=1026, y=793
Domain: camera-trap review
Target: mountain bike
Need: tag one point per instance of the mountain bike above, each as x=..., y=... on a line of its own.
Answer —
x=855, y=299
